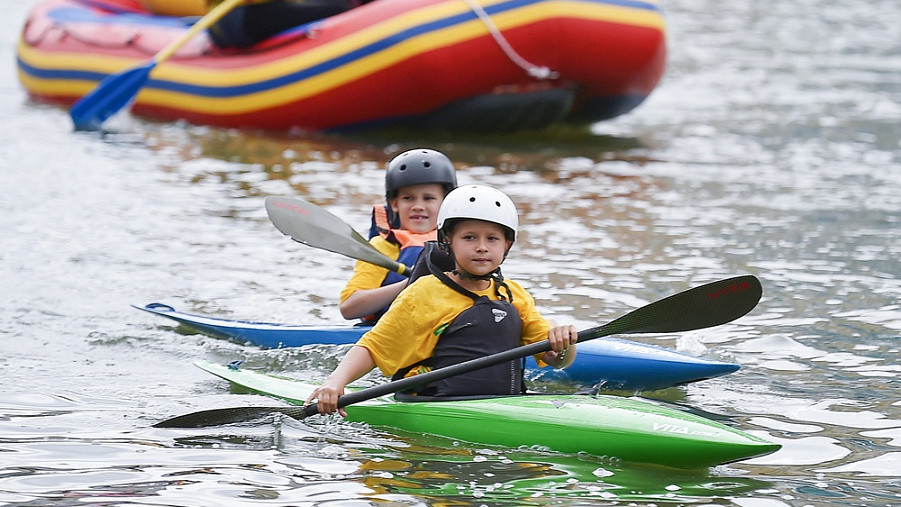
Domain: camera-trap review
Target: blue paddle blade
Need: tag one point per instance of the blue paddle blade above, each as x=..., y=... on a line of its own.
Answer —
x=109, y=97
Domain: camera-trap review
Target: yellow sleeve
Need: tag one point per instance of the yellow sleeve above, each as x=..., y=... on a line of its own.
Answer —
x=534, y=326
x=370, y=276
x=406, y=334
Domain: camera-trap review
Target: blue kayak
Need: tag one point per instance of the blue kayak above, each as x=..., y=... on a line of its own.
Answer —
x=608, y=363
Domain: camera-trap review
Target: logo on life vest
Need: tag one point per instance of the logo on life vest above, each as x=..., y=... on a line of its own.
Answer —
x=498, y=314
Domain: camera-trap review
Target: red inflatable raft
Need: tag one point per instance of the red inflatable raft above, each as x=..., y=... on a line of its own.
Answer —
x=448, y=64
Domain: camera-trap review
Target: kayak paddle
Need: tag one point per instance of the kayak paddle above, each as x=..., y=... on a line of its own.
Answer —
x=705, y=306
x=117, y=90
x=313, y=226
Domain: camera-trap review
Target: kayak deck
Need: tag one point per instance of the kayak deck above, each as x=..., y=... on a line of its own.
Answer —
x=608, y=363
x=624, y=428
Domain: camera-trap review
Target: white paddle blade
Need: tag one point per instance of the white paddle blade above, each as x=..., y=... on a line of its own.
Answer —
x=313, y=226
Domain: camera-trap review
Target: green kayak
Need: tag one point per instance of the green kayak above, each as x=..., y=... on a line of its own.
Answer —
x=628, y=429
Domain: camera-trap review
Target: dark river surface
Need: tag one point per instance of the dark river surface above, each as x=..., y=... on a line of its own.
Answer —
x=771, y=147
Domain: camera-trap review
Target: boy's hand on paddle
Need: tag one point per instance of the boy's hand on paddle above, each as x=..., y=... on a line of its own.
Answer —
x=356, y=363
x=326, y=398
x=563, y=350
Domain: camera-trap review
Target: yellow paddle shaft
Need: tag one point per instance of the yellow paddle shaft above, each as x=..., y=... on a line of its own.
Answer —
x=202, y=24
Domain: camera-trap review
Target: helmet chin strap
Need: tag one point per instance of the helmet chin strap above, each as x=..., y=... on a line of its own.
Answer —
x=494, y=275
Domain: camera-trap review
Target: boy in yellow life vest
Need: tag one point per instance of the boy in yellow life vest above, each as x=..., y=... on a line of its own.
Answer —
x=447, y=317
x=416, y=182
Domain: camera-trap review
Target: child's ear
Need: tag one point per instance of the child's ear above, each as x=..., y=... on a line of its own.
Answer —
x=393, y=204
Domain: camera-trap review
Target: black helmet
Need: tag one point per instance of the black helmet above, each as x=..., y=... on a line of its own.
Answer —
x=415, y=167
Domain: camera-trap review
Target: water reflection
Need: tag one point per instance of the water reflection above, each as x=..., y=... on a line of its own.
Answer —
x=520, y=479
x=440, y=471
x=558, y=154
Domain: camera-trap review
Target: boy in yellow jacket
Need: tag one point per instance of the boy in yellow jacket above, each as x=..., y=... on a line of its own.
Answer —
x=449, y=317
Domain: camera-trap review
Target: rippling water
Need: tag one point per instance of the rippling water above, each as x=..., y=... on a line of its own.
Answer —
x=771, y=147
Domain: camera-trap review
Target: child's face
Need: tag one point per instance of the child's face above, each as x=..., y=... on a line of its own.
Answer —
x=478, y=246
x=417, y=206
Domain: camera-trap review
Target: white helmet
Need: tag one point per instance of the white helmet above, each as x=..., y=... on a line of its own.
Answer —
x=479, y=202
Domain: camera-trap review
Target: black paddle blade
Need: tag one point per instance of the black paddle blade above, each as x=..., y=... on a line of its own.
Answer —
x=706, y=306
x=223, y=416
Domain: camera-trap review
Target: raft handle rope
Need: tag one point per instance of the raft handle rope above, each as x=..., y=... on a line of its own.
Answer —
x=536, y=71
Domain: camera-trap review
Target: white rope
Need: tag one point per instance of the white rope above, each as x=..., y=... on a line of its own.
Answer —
x=533, y=70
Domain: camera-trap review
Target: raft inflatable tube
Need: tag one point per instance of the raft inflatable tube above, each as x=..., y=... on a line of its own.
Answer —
x=478, y=65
